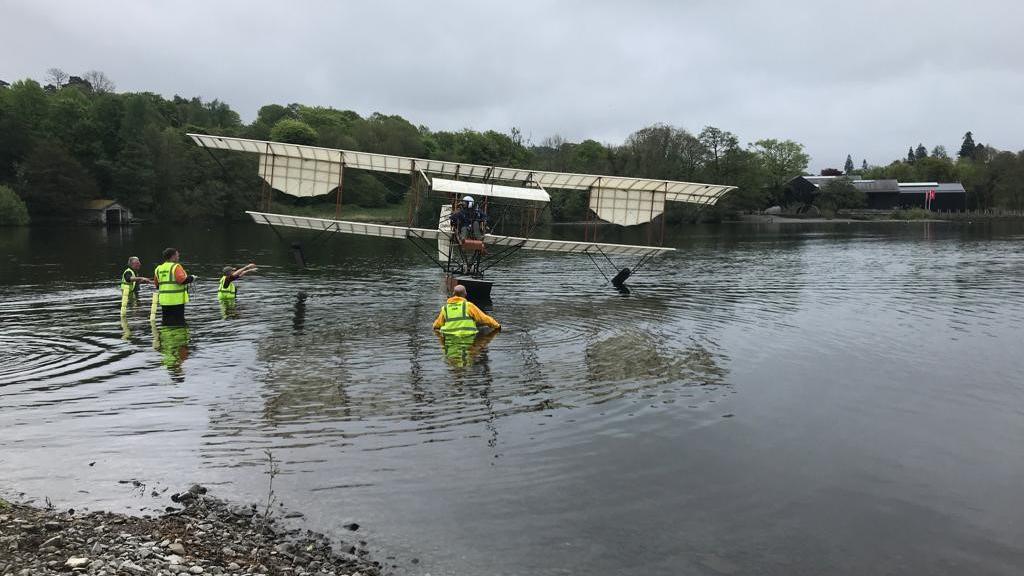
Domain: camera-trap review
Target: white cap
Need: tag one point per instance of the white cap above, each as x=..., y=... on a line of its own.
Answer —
x=468, y=200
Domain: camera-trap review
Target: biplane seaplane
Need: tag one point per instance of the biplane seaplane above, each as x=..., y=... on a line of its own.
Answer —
x=480, y=205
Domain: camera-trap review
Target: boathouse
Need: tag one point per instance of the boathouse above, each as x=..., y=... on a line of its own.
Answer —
x=104, y=213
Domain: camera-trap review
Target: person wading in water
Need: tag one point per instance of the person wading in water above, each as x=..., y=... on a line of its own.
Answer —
x=130, y=281
x=459, y=316
x=172, y=284
x=227, y=289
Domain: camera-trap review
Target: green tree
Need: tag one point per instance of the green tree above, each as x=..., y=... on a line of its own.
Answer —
x=848, y=167
x=569, y=205
x=663, y=152
x=920, y=152
x=718, y=144
x=99, y=82
x=387, y=135
x=932, y=169
x=134, y=178
x=910, y=155
x=29, y=104
x=982, y=153
x=864, y=164
x=364, y=190
x=53, y=183
x=293, y=131
x=939, y=151
x=838, y=194
x=12, y=209
x=588, y=157
x=782, y=161
x=967, y=148
x=746, y=171
x=15, y=137
x=265, y=119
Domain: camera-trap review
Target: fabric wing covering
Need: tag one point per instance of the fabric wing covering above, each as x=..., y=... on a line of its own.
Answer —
x=626, y=208
x=298, y=177
x=384, y=231
x=312, y=171
x=464, y=188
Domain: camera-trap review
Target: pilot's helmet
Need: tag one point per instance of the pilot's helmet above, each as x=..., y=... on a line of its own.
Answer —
x=469, y=201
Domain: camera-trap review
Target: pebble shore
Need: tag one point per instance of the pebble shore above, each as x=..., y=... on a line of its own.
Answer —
x=202, y=535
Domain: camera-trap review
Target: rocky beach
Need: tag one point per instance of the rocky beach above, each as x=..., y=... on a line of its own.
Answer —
x=199, y=534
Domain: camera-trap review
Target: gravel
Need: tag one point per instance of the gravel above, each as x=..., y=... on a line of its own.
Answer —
x=207, y=536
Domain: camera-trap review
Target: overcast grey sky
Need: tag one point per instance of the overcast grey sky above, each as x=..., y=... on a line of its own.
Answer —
x=866, y=77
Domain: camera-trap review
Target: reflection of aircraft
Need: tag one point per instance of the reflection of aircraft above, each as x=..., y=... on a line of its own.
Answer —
x=461, y=351
x=305, y=171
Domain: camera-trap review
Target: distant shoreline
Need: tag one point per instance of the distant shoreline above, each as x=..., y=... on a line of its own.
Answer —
x=775, y=219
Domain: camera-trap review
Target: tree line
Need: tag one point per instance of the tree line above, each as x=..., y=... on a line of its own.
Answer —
x=993, y=178
x=76, y=138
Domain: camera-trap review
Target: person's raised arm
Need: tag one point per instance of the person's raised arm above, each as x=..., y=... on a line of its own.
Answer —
x=250, y=267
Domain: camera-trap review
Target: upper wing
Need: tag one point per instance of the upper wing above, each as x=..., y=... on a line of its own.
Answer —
x=311, y=171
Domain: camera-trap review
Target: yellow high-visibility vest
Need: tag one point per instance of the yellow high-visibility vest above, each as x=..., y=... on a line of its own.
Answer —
x=226, y=292
x=456, y=321
x=129, y=286
x=171, y=293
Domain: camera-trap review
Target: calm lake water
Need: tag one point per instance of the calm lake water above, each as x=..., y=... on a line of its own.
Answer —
x=819, y=399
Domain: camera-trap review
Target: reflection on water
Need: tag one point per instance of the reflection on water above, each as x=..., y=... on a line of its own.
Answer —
x=772, y=399
x=652, y=358
x=172, y=344
x=464, y=351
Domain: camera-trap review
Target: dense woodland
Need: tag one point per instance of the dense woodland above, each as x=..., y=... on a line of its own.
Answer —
x=77, y=138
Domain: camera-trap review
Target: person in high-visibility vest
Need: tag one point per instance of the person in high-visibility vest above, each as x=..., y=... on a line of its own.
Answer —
x=459, y=317
x=227, y=288
x=130, y=280
x=172, y=285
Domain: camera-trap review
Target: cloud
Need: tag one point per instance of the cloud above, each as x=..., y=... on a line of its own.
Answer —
x=868, y=78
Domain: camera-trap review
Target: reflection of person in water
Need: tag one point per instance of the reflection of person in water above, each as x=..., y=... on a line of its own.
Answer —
x=172, y=344
x=228, y=309
x=462, y=351
x=126, y=331
x=299, y=315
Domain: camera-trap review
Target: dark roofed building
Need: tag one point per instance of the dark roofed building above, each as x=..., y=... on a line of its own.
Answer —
x=104, y=212
x=3, y=84
x=885, y=194
x=881, y=193
x=949, y=196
